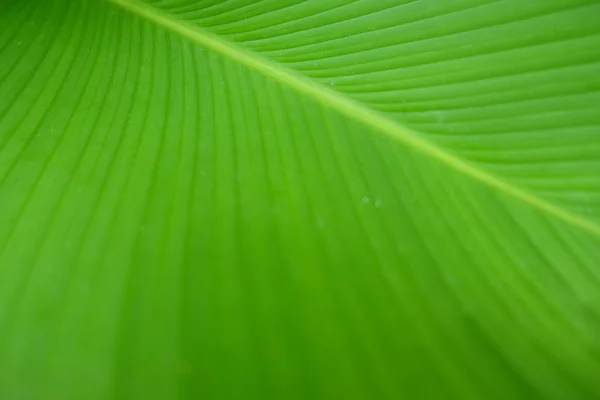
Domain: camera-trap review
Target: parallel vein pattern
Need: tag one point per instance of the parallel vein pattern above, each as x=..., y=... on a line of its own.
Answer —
x=510, y=85
x=175, y=224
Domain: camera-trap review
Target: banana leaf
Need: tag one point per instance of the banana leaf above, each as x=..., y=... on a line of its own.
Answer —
x=299, y=199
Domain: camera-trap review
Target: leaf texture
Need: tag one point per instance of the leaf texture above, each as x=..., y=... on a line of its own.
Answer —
x=299, y=199
x=509, y=85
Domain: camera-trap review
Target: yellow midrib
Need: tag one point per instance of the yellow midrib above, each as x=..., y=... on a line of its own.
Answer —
x=348, y=107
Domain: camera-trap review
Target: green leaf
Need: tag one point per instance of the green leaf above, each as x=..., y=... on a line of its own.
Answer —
x=286, y=199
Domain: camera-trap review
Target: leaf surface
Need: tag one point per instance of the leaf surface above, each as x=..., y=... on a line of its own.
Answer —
x=299, y=199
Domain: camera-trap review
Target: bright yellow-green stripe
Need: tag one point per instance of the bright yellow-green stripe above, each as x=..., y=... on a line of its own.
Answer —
x=348, y=107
